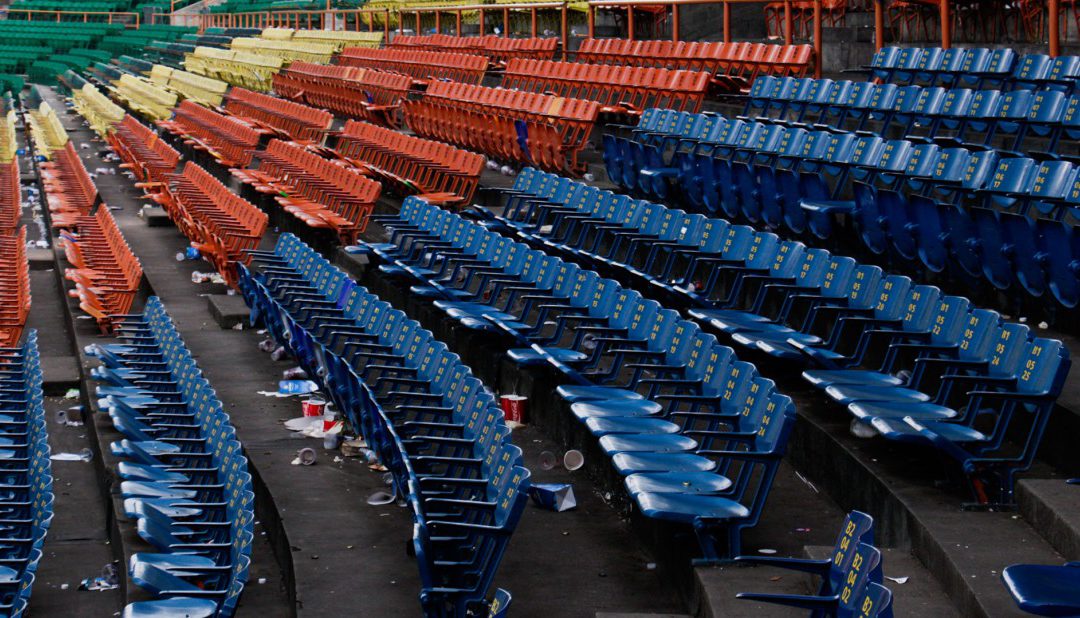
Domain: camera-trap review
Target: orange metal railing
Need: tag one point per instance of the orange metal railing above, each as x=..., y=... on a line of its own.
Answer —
x=487, y=9
x=945, y=11
x=77, y=16
x=630, y=5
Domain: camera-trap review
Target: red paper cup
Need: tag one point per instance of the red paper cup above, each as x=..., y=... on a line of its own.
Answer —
x=313, y=407
x=328, y=420
x=513, y=407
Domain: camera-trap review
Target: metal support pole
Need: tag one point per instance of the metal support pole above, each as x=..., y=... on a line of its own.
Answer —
x=675, y=22
x=1055, y=28
x=788, y=23
x=879, y=24
x=630, y=22
x=818, y=47
x=946, y=25
x=727, y=22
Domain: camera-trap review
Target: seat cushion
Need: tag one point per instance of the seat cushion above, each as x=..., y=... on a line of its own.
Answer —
x=677, y=482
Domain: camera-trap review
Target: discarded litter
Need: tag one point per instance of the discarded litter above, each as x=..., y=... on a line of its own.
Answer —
x=807, y=482
x=899, y=580
x=288, y=388
x=72, y=417
x=296, y=373
x=108, y=580
x=72, y=393
x=572, y=460
x=279, y=353
x=862, y=430
x=305, y=457
x=380, y=498
x=191, y=253
x=83, y=455
x=766, y=551
x=200, y=277
x=556, y=497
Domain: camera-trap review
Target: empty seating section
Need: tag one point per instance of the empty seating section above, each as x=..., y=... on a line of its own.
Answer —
x=9, y=141
x=69, y=190
x=497, y=48
x=733, y=66
x=338, y=39
x=46, y=130
x=819, y=302
x=932, y=199
x=422, y=66
x=10, y=188
x=101, y=113
x=366, y=94
x=235, y=67
x=322, y=193
x=10, y=197
x=150, y=100
x=228, y=139
x=618, y=88
x=143, y=152
x=106, y=272
x=435, y=426
x=288, y=51
x=300, y=122
x=27, y=511
x=184, y=477
x=439, y=172
x=976, y=67
x=14, y=286
x=507, y=125
x=642, y=375
x=218, y=222
x=202, y=90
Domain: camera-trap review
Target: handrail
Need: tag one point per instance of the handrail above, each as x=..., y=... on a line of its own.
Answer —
x=630, y=5
x=298, y=19
x=945, y=9
x=85, y=15
x=483, y=9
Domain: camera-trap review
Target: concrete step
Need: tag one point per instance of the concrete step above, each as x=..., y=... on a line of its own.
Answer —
x=964, y=550
x=915, y=591
x=1053, y=508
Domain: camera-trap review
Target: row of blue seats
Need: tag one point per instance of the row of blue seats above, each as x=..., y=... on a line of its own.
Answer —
x=801, y=304
x=185, y=478
x=437, y=428
x=976, y=67
x=971, y=213
x=923, y=113
x=850, y=580
x=697, y=433
x=26, y=509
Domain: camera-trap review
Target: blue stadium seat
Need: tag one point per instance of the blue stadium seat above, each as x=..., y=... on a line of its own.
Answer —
x=438, y=430
x=1045, y=590
x=185, y=478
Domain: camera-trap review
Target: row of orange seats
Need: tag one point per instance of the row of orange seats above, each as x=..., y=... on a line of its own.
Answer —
x=323, y=194
x=14, y=287
x=106, y=272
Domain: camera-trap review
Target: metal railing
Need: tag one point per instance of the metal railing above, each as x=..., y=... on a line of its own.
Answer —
x=77, y=16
